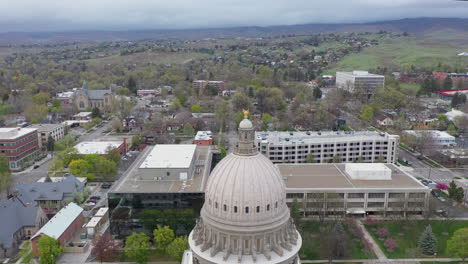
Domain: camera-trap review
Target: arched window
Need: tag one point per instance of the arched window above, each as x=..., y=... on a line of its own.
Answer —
x=225, y=207
x=235, y=209
x=246, y=209
x=81, y=104
x=258, y=209
x=276, y=204
x=268, y=207
x=216, y=205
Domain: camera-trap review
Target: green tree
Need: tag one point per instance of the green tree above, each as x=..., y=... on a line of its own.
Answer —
x=223, y=152
x=121, y=108
x=163, y=236
x=95, y=113
x=310, y=158
x=267, y=119
x=296, y=214
x=137, y=247
x=457, y=245
x=6, y=180
x=105, y=168
x=196, y=108
x=455, y=193
x=41, y=98
x=428, y=242
x=189, y=130
x=448, y=83
x=177, y=247
x=49, y=250
x=113, y=154
x=50, y=143
x=26, y=252
x=317, y=93
x=81, y=168
x=222, y=113
x=137, y=140
x=240, y=101
x=36, y=113
x=367, y=113
x=132, y=84
x=337, y=159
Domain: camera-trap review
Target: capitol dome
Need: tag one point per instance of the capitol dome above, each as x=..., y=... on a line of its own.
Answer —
x=245, y=218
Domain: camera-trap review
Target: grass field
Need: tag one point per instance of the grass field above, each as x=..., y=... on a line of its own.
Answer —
x=314, y=243
x=410, y=88
x=407, y=233
x=402, y=52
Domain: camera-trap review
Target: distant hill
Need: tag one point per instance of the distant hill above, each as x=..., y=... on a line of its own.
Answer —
x=412, y=26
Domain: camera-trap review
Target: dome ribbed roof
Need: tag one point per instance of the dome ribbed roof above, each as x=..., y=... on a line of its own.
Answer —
x=240, y=182
x=245, y=124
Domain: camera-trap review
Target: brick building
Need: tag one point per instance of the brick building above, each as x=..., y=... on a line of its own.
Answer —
x=62, y=226
x=20, y=145
x=44, y=131
x=204, y=138
x=200, y=85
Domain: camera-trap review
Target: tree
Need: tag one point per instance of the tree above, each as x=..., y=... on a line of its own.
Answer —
x=113, y=154
x=95, y=113
x=428, y=242
x=317, y=93
x=196, y=108
x=310, y=158
x=448, y=83
x=296, y=213
x=137, y=140
x=26, y=253
x=36, y=113
x=105, y=168
x=222, y=114
x=49, y=250
x=177, y=247
x=457, y=245
x=81, y=168
x=455, y=193
x=367, y=113
x=338, y=241
x=337, y=159
x=163, y=236
x=6, y=179
x=189, y=130
x=50, y=143
x=104, y=247
x=121, y=108
x=267, y=119
x=137, y=247
x=132, y=84
x=240, y=101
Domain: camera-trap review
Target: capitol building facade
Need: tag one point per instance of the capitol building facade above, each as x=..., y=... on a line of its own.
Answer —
x=245, y=218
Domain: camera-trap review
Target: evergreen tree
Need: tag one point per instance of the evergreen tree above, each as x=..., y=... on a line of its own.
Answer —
x=132, y=84
x=448, y=83
x=456, y=193
x=428, y=242
x=338, y=241
x=317, y=93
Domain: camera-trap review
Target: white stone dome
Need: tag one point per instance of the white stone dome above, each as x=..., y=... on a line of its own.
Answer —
x=245, y=189
x=245, y=124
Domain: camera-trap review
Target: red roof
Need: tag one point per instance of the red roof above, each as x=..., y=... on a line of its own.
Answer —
x=452, y=92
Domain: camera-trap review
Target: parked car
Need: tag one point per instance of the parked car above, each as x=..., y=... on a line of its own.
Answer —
x=95, y=198
x=442, y=199
x=106, y=185
x=36, y=166
x=90, y=204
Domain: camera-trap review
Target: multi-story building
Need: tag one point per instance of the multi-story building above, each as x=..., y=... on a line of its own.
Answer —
x=359, y=81
x=435, y=137
x=162, y=177
x=44, y=131
x=199, y=85
x=20, y=145
x=336, y=146
x=354, y=189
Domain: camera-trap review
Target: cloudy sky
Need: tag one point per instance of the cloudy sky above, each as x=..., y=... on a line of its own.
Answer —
x=63, y=15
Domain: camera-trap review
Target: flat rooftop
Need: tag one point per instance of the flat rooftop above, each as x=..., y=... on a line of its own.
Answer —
x=309, y=137
x=169, y=156
x=333, y=176
x=203, y=135
x=15, y=132
x=361, y=74
x=131, y=182
x=46, y=127
x=434, y=133
x=96, y=147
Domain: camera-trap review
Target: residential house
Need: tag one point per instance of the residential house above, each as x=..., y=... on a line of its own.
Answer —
x=384, y=121
x=51, y=196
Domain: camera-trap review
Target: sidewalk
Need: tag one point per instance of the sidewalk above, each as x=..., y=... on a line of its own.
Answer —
x=375, y=247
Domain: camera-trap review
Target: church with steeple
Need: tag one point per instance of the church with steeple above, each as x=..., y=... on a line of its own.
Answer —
x=88, y=99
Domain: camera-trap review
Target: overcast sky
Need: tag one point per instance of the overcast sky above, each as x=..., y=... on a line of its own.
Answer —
x=63, y=15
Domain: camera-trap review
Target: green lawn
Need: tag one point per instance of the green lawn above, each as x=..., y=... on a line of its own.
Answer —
x=407, y=233
x=410, y=88
x=402, y=52
x=314, y=242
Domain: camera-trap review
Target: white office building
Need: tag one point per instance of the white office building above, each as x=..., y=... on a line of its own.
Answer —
x=438, y=138
x=337, y=146
x=359, y=80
